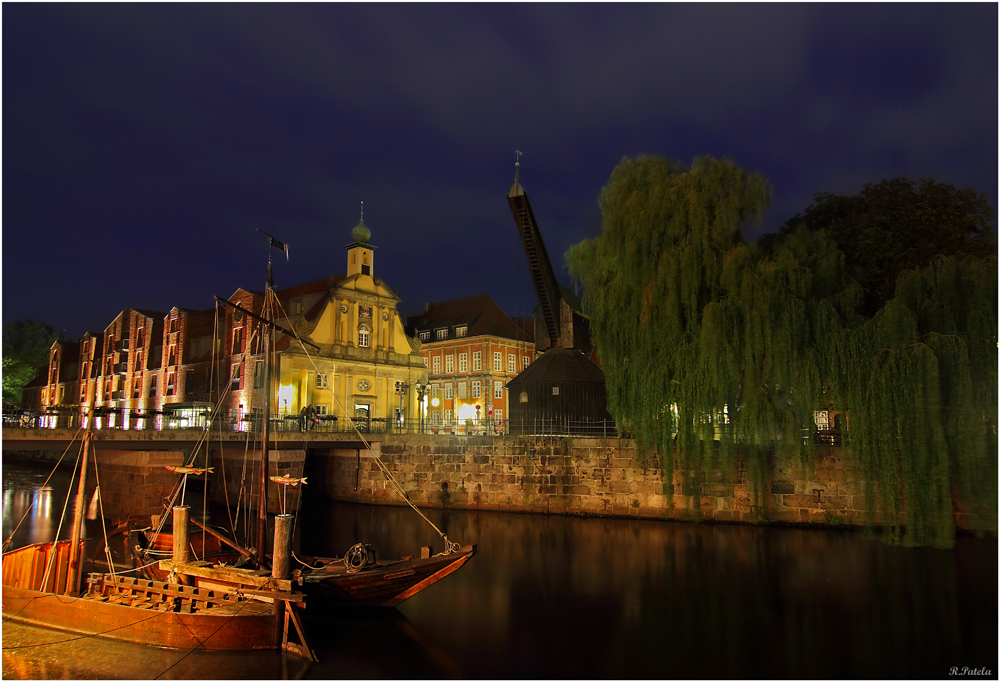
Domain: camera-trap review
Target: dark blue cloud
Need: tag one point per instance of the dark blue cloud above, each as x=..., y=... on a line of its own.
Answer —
x=144, y=144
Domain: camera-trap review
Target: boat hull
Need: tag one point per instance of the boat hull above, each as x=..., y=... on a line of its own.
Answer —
x=387, y=584
x=229, y=631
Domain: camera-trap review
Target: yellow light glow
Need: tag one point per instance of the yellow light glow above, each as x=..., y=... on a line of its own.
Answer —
x=467, y=412
x=435, y=402
x=286, y=395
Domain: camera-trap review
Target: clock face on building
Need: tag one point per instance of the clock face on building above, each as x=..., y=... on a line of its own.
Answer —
x=364, y=385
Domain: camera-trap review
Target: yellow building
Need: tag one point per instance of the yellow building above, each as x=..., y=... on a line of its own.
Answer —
x=363, y=351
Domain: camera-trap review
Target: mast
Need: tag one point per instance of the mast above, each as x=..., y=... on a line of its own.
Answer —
x=75, y=560
x=265, y=429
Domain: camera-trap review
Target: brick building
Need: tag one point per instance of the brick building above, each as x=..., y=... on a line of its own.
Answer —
x=178, y=364
x=471, y=349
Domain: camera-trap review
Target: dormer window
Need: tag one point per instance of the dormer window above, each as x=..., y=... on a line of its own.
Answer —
x=425, y=336
x=461, y=331
x=442, y=334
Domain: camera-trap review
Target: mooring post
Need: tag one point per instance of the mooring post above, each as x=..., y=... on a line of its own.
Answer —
x=281, y=566
x=182, y=542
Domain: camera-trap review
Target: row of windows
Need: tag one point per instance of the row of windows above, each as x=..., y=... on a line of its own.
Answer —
x=476, y=392
x=477, y=362
x=442, y=334
x=449, y=416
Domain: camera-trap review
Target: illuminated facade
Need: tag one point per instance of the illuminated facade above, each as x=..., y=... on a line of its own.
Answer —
x=362, y=347
x=471, y=349
x=177, y=363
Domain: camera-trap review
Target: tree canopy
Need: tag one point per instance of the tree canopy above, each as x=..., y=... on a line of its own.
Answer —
x=897, y=225
x=26, y=347
x=706, y=337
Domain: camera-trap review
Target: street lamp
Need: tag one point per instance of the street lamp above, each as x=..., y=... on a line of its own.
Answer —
x=401, y=387
x=422, y=391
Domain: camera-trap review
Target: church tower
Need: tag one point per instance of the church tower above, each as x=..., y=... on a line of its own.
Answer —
x=360, y=254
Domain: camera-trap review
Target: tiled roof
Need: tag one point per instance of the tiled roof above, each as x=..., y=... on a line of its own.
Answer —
x=314, y=287
x=480, y=314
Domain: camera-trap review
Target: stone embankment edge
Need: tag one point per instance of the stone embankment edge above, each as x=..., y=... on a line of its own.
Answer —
x=594, y=477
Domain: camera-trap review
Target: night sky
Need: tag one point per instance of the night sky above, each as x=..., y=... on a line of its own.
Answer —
x=145, y=144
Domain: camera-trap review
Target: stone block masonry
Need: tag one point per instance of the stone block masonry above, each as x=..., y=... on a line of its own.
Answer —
x=588, y=476
x=236, y=468
x=134, y=482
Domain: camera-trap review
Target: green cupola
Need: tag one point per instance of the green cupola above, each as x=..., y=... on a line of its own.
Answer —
x=359, y=252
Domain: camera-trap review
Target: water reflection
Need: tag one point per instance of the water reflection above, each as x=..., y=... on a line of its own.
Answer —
x=558, y=597
x=572, y=598
x=27, y=497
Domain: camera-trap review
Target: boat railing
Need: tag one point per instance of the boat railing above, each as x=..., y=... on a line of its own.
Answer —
x=41, y=567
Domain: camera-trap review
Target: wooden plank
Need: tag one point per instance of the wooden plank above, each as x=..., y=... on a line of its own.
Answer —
x=227, y=574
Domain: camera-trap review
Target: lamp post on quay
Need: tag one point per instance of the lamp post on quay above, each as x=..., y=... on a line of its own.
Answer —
x=422, y=391
x=401, y=387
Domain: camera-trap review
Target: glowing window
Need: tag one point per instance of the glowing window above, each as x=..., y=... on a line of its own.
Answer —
x=364, y=336
x=463, y=362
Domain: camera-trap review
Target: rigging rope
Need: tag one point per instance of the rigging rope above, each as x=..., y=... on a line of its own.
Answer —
x=449, y=546
x=6, y=543
x=104, y=527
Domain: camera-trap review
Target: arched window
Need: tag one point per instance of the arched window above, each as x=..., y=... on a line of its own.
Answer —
x=364, y=336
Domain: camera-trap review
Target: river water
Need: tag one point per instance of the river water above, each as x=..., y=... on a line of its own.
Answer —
x=551, y=597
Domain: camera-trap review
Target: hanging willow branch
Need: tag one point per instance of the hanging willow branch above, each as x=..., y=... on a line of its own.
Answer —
x=705, y=339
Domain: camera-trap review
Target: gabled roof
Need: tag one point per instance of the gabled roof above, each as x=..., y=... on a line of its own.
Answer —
x=560, y=365
x=480, y=314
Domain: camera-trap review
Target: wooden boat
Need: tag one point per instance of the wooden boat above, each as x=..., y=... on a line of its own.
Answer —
x=381, y=583
x=326, y=581
x=156, y=613
x=234, y=609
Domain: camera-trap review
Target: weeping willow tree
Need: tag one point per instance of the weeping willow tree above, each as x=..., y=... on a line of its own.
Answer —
x=919, y=382
x=701, y=338
x=704, y=338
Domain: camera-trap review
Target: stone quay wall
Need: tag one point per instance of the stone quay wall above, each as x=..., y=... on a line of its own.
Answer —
x=588, y=476
x=235, y=469
x=134, y=482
